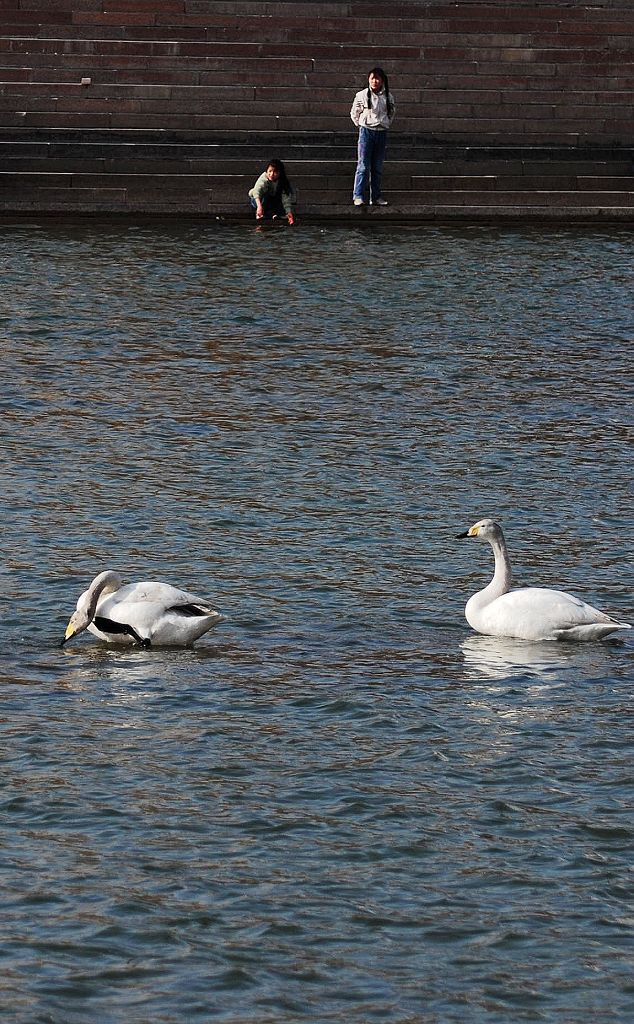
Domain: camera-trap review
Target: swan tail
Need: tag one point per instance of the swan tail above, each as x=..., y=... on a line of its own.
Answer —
x=590, y=631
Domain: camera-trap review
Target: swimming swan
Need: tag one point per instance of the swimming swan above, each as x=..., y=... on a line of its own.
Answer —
x=530, y=613
x=150, y=614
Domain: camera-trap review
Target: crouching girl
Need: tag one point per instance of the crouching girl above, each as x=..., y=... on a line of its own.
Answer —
x=273, y=195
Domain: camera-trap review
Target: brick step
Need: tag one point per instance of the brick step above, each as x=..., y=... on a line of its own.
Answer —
x=363, y=50
x=355, y=43
x=264, y=119
x=458, y=80
x=398, y=139
x=520, y=199
x=504, y=88
x=465, y=22
x=410, y=198
x=315, y=174
x=555, y=13
x=354, y=28
x=226, y=154
x=236, y=93
x=360, y=32
x=158, y=21
x=120, y=201
x=450, y=43
x=467, y=130
x=69, y=43
x=417, y=175
x=314, y=181
x=591, y=182
x=591, y=155
x=357, y=40
x=300, y=75
x=477, y=73
x=315, y=191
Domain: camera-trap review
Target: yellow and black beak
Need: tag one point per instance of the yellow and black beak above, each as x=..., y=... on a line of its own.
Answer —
x=70, y=632
x=471, y=532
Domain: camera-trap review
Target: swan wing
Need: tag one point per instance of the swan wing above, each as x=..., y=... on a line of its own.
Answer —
x=536, y=613
x=153, y=592
x=157, y=613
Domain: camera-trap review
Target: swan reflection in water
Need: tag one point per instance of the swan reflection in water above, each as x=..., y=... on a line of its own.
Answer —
x=502, y=658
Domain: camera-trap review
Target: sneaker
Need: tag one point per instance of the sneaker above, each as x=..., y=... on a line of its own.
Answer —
x=357, y=201
x=380, y=202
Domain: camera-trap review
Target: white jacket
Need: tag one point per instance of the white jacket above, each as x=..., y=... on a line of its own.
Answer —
x=375, y=116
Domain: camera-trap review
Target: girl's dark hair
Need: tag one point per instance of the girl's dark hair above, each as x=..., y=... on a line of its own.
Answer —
x=380, y=73
x=277, y=165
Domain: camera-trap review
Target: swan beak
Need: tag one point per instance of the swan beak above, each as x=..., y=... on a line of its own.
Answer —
x=70, y=632
x=473, y=531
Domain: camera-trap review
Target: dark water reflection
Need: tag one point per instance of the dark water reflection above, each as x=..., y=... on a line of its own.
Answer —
x=341, y=805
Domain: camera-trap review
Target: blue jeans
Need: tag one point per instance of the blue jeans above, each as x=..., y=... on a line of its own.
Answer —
x=372, y=143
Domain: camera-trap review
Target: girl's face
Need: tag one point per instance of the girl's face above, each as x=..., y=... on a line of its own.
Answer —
x=375, y=82
x=272, y=173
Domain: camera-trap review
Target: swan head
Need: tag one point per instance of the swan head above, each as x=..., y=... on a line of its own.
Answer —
x=105, y=583
x=484, y=529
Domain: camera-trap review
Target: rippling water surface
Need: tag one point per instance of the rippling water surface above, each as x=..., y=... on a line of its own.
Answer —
x=341, y=805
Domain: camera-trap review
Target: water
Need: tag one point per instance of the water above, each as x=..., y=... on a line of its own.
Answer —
x=341, y=805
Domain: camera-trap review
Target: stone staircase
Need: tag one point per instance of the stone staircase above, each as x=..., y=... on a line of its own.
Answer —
x=505, y=110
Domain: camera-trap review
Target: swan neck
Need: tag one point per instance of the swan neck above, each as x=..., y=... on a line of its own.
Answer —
x=502, y=576
x=107, y=582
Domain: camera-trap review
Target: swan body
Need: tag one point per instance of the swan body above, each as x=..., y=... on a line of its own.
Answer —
x=150, y=613
x=529, y=613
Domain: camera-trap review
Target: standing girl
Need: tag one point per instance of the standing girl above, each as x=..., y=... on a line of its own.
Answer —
x=372, y=111
x=273, y=195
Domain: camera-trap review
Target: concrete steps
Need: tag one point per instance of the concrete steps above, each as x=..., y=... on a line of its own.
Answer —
x=167, y=106
x=161, y=172
x=469, y=71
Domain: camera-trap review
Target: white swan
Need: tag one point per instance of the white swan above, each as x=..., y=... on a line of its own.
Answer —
x=530, y=613
x=150, y=613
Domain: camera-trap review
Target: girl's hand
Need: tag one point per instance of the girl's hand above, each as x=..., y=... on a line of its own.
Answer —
x=290, y=218
x=259, y=211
